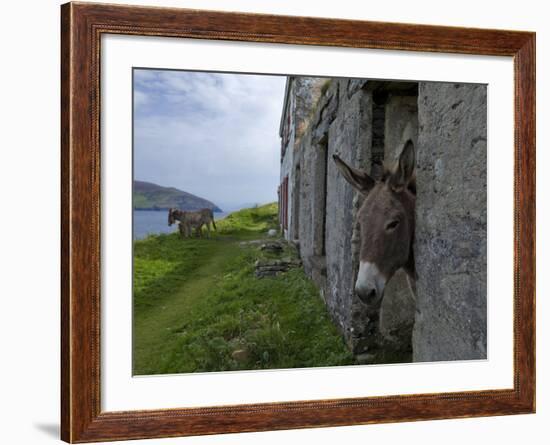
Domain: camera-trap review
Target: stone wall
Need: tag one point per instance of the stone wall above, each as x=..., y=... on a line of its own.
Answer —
x=350, y=137
x=303, y=94
x=328, y=237
x=451, y=223
x=366, y=123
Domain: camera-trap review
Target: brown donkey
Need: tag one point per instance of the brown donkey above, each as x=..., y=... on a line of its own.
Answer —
x=386, y=220
x=189, y=220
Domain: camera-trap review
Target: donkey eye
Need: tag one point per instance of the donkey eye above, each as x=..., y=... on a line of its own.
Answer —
x=392, y=224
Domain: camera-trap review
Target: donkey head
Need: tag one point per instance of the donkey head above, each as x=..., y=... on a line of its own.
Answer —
x=172, y=216
x=386, y=220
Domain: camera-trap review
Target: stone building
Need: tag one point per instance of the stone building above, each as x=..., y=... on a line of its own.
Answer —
x=365, y=122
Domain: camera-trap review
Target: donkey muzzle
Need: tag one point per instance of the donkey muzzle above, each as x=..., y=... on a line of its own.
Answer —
x=370, y=283
x=367, y=296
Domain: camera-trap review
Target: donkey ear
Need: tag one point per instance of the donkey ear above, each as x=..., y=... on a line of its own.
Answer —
x=357, y=178
x=404, y=172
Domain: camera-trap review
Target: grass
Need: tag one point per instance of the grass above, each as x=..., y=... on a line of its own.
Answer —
x=141, y=201
x=199, y=307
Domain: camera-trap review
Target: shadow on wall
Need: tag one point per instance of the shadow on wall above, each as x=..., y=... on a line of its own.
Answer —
x=49, y=429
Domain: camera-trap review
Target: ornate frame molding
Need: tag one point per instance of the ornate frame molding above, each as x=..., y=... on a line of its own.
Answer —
x=82, y=25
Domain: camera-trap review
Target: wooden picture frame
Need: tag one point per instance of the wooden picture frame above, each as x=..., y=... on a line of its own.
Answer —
x=82, y=25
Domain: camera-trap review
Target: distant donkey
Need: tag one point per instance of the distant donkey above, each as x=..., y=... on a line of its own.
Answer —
x=387, y=220
x=189, y=220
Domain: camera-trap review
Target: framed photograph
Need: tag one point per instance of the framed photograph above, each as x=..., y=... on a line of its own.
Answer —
x=275, y=222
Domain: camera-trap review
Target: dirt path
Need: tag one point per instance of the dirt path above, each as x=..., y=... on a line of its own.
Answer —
x=156, y=330
x=199, y=307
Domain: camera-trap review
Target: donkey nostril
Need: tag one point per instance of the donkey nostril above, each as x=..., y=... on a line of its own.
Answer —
x=367, y=296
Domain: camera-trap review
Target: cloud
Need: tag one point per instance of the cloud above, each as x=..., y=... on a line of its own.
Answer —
x=212, y=134
x=140, y=98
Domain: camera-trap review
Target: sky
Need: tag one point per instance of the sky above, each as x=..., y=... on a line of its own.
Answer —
x=211, y=134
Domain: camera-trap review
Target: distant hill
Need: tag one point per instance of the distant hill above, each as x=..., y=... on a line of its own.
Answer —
x=149, y=196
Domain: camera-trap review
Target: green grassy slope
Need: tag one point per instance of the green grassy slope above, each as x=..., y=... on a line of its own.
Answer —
x=199, y=307
x=152, y=196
